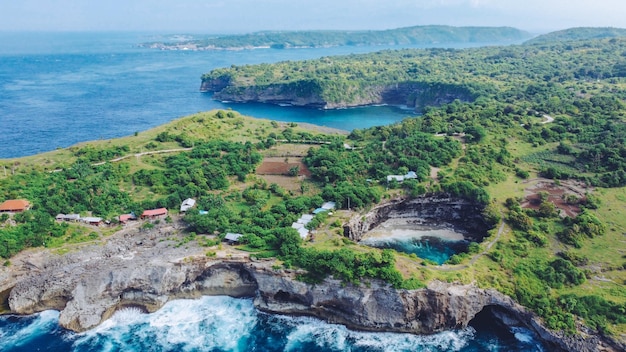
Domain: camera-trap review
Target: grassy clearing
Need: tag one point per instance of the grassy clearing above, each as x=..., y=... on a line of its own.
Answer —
x=200, y=126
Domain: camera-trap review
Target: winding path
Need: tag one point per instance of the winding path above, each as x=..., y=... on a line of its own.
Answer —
x=548, y=119
x=137, y=155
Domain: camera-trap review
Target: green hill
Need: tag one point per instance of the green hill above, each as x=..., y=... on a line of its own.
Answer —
x=580, y=33
x=418, y=35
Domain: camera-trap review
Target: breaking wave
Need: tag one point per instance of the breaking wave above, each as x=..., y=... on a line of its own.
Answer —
x=229, y=324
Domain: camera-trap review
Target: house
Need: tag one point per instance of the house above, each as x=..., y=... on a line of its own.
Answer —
x=92, y=220
x=297, y=225
x=410, y=175
x=303, y=232
x=398, y=178
x=305, y=219
x=187, y=204
x=60, y=217
x=329, y=205
x=14, y=206
x=72, y=217
x=124, y=218
x=203, y=212
x=319, y=210
x=232, y=237
x=154, y=213
x=401, y=178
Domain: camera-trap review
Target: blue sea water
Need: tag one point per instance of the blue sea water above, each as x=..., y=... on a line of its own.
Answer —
x=229, y=324
x=63, y=88
x=58, y=89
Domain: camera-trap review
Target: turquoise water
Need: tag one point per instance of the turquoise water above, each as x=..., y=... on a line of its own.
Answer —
x=432, y=248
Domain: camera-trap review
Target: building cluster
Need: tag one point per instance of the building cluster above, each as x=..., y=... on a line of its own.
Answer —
x=300, y=224
x=20, y=205
x=89, y=220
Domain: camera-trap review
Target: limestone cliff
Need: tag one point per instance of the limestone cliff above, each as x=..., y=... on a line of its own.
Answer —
x=145, y=269
x=464, y=215
x=315, y=95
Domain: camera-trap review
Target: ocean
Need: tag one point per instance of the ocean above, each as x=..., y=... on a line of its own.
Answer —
x=227, y=324
x=59, y=89
x=63, y=88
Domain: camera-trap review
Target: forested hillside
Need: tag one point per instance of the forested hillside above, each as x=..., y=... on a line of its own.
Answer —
x=581, y=33
x=313, y=39
x=534, y=74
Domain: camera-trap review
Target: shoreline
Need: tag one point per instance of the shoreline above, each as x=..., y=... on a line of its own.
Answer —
x=145, y=269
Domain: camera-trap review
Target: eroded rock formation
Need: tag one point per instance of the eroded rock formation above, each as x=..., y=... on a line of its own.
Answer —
x=146, y=270
x=464, y=215
x=307, y=94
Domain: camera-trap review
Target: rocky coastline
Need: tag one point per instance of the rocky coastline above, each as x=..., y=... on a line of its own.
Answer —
x=146, y=269
x=304, y=94
x=465, y=216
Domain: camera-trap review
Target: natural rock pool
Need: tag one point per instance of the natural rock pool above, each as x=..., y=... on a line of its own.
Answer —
x=433, y=227
x=435, y=242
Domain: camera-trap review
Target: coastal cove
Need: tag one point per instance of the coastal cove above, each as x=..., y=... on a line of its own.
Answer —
x=107, y=87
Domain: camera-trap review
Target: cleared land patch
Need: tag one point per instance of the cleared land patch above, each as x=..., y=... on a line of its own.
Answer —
x=565, y=196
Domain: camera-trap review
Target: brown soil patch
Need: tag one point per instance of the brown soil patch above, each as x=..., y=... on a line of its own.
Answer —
x=280, y=166
x=434, y=173
x=556, y=194
x=288, y=183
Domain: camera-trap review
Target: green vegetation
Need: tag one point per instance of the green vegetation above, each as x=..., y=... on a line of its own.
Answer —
x=581, y=33
x=556, y=110
x=315, y=39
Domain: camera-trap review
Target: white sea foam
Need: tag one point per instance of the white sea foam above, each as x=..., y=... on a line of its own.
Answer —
x=526, y=337
x=229, y=324
x=338, y=338
x=181, y=325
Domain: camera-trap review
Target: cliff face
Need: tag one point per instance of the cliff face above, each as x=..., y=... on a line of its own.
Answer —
x=146, y=270
x=311, y=94
x=91, y=293
x=464, y=215
x=379, y=306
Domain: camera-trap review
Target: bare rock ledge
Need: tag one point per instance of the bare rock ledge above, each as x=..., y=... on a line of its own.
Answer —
x=142, y=270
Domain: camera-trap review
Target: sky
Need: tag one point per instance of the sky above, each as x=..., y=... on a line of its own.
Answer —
x=240, y=16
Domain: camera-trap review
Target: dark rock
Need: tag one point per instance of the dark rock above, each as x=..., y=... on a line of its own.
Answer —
x=465, y=216
x=310, y=94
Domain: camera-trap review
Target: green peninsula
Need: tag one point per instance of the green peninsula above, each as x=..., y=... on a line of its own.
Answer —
x=417, y=35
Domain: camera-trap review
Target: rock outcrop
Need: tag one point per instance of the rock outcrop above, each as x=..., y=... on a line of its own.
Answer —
x=146, y=270
x=464, y=215
x=312, y=94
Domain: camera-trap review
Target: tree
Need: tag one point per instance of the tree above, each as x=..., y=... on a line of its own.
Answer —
x=475, y=134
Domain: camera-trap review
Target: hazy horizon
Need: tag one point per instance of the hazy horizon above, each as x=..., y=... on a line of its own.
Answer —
x=240, y=16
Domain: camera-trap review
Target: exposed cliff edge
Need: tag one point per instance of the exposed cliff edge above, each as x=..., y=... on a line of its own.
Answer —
x=142, y=269
x=465, y=216
x=313, y=94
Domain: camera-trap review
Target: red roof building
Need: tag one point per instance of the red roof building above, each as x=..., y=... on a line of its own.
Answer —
x=124, y=218
x=154, y=213
x=14, y=206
